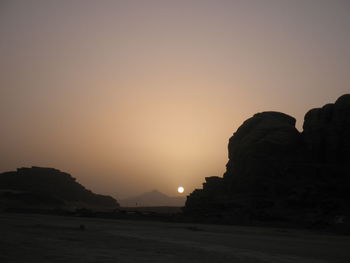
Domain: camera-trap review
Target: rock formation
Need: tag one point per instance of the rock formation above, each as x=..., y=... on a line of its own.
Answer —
x=275, y=172
x=49, y=188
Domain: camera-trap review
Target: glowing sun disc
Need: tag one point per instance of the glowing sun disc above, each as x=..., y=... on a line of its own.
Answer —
x=180, y=189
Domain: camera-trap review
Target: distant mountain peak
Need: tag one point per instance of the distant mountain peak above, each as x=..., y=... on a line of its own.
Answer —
x=155, y=191
x=153, y=198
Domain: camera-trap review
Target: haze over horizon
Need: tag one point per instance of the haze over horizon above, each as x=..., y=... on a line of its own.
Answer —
x=131, y=96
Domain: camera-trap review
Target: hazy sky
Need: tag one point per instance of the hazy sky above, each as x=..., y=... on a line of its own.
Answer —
x=130, y=96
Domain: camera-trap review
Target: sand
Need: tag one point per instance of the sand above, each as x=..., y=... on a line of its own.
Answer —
x=45, y=238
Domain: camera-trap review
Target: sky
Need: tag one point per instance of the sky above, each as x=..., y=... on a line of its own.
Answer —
x=130, y=96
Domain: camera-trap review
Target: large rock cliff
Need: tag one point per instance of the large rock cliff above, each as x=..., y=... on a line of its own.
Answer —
x=275, y=172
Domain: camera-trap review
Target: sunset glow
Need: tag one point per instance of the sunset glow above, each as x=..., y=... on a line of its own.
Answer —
x=136, y=95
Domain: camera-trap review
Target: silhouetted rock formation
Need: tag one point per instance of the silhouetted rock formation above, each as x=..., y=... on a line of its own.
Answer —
x=327, y=132
x=50, y=188
x=275, y=172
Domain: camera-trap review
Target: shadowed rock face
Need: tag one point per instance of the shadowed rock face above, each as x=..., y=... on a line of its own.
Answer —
x=49, y=187
x=327, y=132
x=275, y=172
x=262, y=146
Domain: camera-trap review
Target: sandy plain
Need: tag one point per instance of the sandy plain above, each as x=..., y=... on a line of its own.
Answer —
x=48, y=238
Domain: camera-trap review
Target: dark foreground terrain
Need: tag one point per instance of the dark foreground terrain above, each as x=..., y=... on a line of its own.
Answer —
x=47, y=238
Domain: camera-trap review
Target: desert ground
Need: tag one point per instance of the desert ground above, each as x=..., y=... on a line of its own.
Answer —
x=48, y=238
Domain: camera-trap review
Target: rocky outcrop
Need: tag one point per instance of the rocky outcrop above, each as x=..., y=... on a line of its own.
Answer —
x=49, y=187
x=327, y=132
x=276, y=172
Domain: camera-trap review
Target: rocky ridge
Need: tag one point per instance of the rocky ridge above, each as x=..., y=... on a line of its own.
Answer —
x=48, y=188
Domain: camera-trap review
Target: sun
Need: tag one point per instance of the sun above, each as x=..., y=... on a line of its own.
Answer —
x=180, y=189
